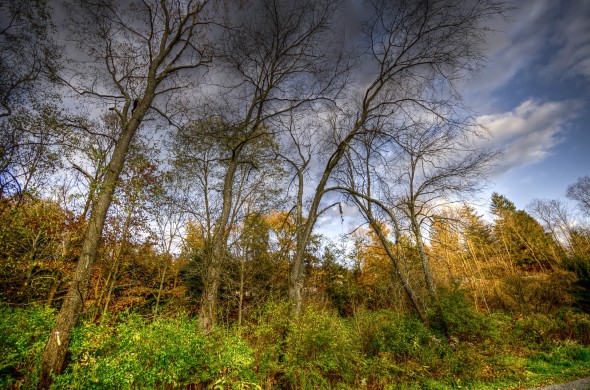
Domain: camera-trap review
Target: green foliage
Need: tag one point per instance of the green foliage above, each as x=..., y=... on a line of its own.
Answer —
x=23, y=334
x=521, y=237
x=536, y=293
x=501, y=204
x=388, y=332
x=461, y=318
x=320, y=349
x=233, y=361
x=581, y=267
x=401, y=349
x=317, y=350
x=167, y=353
x=137, y=354
x=541, y=328
x=267, y=334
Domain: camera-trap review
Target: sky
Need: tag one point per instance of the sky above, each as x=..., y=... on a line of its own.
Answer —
x=534, y=98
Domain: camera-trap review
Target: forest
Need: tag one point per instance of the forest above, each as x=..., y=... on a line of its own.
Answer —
x=270, y=194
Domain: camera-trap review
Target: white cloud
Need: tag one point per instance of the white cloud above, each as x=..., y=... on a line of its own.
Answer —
x=528, y=134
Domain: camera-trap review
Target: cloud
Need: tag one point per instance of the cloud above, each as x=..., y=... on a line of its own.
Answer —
x=529, y=133
x=571, y=37
x=543, y=40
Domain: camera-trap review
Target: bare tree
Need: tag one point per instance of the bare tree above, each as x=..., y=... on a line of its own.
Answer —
x=360, y=181
x=580, y=192
x=407, y=173
x=28, y=154
x=436, y=164
x=414, y=51
x=223, y=176
x=135, y=59
x=27, y=51
x=169, y=220
x=275, y=59
x=556, y=219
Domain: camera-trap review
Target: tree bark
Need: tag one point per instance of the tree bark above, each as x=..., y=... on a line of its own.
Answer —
x=161, y=287
x=398, y=271
x=216, y=255
x=166, y=43
x=427, y=272
x=57, y=278
x=59, y=339
x=305, y=228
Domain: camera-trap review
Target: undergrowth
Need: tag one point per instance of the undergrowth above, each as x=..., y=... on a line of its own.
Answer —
x=318, y=349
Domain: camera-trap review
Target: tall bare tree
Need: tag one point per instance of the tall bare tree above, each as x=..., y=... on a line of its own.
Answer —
x=436, y=164
x=414, y=52
x=276, y=59
x=221, y=184
x=133, y=56
x=556, y=218
x=360, y=180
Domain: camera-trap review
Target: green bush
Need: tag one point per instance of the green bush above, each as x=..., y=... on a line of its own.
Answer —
x=23, y=334
x=577, y=326
x=461, y=318
x=389, y=332
x=536, y=329
x=542, y=330
x=267, y=335
x=233, y=361
x=317, y=350
x=137, y=354
x=321, y=350
x=581, y=288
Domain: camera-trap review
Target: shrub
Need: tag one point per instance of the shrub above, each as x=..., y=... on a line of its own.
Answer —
x=577, y=325
x=536, y=292
x=267, y=335
x=461, y=318
x=320, y=350
x=137, y=354
x=23, y=334
x=580, y=266
x=389, y=332
x=233, y=361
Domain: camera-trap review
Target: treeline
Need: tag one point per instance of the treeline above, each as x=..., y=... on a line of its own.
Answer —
x=176, y=156
x=512, y=292
x=513, y=263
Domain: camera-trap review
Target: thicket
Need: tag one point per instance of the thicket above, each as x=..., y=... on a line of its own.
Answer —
x=499, y=321
x=319, y=349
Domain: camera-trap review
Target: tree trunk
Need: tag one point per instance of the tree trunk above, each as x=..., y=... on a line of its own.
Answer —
x=216, y=255
x=423, y=258
x=412, y=296
x=99, y=296
x=297, y=276
x=241, y=297
x=305, y=228
x=111, y=287
x=59, y=339
x=427, y=272
x=32, y=255
x=118, y=257
x=207, y=312
x=161, y=287
x=57, y=278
